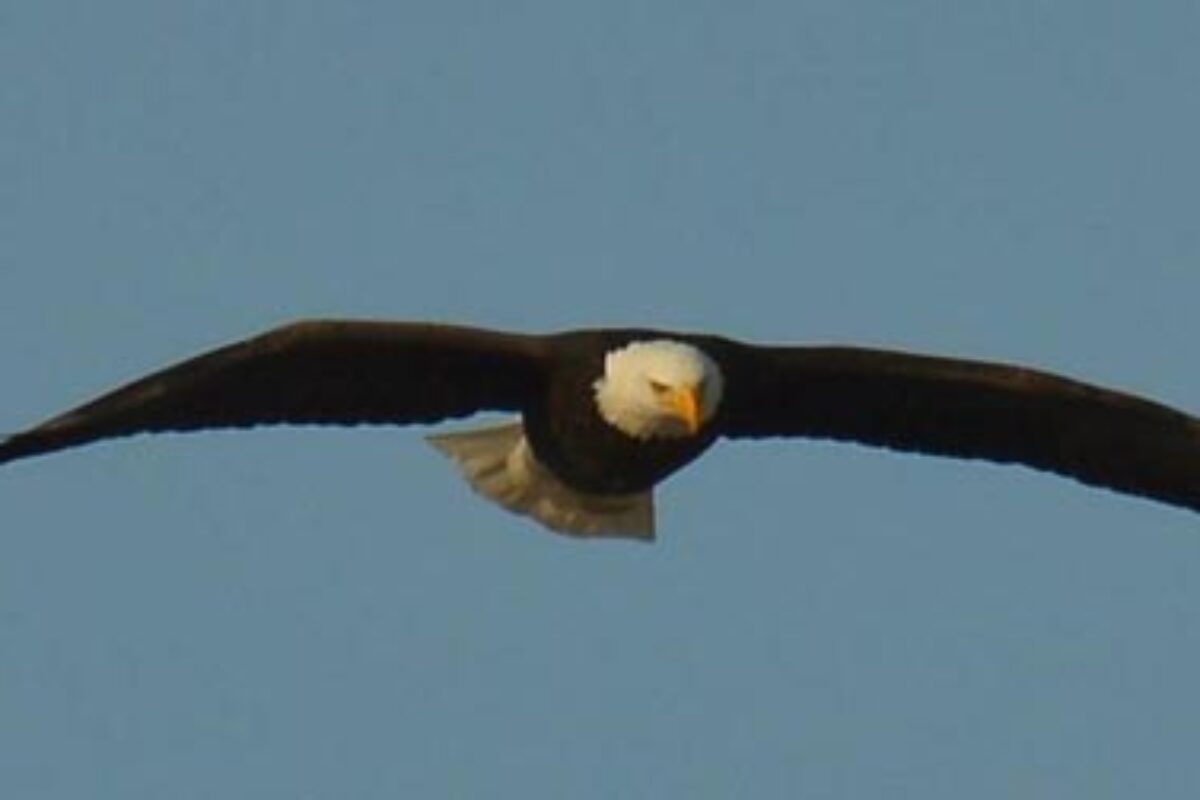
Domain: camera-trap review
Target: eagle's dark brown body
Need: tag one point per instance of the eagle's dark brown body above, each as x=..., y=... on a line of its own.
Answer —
x=576, y=443
x=350, y=372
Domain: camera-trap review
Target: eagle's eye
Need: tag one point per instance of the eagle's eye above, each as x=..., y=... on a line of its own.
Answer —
x=658, y=387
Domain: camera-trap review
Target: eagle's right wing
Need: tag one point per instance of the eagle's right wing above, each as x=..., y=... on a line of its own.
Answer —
x=317, y=372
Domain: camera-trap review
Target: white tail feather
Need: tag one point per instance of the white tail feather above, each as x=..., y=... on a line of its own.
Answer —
x=499, y=464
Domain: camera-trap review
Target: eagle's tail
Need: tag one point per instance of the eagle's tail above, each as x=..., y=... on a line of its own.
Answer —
x=500, y=465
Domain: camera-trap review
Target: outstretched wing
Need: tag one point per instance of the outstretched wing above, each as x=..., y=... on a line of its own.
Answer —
x=966, y=409
x=319, y=372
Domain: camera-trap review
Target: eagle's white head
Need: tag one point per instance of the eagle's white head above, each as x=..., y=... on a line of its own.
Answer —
x=660, y=388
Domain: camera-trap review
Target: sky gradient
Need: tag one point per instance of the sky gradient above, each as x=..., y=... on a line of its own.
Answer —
x=327, y=613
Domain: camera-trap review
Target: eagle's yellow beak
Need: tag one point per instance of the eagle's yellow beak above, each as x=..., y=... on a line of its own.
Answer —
x=686, y=405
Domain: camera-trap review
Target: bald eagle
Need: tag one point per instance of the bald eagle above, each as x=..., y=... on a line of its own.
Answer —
x=606, y=414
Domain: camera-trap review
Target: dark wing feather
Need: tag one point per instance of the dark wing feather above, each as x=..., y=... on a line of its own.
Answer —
x=966, y=409
x=319, y=372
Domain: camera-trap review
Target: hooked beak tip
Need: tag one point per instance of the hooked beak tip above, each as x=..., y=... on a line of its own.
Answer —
x=687, y=406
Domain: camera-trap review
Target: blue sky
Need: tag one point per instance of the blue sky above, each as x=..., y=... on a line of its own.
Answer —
x=320, y=614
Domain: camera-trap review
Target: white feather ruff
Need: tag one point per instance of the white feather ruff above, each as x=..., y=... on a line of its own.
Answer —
x=625, y=393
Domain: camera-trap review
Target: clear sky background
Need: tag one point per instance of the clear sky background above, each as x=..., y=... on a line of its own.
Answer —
x=332, y=614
